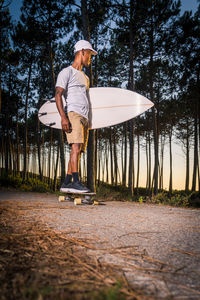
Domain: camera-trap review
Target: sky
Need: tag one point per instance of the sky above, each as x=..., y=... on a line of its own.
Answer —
x=16, y=4
x=178, y=155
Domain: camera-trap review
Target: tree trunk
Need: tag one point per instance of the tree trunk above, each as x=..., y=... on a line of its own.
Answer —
x=161, y=162
x=155, y=129
x=56, y=169
x=194, y=178
x=131, y=87
x=187, y=177
x=91, y=139
x=147, y=162
x=131, y=143
x=50, y=158
x=111, y=157
x=138, y=162
x=149, y=187
x=170, y=161
x=91, y=161
x=99, y=169
x=115, y=156
x=125, y=155
x=25, y=120
x=17, y=142
x=106, y=155
x=38, y=149
x=62, y=155
x=96, y=155
x=52, y=78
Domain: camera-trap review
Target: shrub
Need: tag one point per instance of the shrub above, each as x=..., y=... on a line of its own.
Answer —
x=194, y=199
x=11, y=181
x=29, y=185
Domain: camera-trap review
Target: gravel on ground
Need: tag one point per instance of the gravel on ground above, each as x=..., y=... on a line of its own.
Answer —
x=157, y=248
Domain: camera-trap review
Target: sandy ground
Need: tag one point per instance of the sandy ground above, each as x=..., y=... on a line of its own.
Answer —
x=156, y=247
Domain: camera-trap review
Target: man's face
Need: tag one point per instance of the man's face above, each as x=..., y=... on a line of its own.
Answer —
x=86, y=57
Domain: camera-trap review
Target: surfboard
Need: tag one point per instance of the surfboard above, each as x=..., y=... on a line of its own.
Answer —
x=108, y=106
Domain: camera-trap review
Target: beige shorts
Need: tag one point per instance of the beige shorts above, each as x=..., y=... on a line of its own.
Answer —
x=79, y=134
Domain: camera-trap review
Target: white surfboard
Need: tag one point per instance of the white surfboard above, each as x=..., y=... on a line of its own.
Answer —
x=108, y=106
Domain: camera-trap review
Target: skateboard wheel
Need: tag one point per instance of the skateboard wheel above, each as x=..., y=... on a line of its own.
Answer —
x=61, y=198
x=77, y=201
x=95, y=203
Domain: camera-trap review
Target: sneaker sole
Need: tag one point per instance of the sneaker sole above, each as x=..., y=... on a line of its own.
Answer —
x=66, y=190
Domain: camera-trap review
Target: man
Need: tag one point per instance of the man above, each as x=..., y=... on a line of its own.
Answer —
x=73, y=84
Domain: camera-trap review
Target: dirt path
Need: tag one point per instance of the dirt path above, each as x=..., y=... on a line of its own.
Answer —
x=157, y=248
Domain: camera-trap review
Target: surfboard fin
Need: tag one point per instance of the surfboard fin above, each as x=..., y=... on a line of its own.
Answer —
x=50, y=124
x=42, y=114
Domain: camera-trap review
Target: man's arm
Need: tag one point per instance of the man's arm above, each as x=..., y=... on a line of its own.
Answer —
x=66, y=126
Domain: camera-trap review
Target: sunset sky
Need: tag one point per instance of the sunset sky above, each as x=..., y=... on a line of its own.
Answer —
x=178, y=154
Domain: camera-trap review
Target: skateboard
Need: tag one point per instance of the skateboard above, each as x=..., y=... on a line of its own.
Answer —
x=79, y=198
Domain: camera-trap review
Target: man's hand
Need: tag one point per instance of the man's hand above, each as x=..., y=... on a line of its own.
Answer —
x=66, y=125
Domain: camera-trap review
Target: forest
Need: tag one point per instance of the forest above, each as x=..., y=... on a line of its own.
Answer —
x=146, y=46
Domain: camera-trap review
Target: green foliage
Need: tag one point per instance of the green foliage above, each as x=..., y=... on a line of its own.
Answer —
x=194, y=199
x=121, y=193
x=11, y=181
x=111, y=293
x=29, y=185
x=113, y=192
x=176, y=198
x=34, y=293
x=141, y=199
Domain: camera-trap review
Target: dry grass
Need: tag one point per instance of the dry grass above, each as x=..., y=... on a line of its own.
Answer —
x=39, y=263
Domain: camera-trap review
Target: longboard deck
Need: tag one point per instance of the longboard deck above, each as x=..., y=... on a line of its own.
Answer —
x=79, y=198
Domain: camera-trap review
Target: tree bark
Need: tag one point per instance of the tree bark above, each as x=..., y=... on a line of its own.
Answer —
x=149, y=187
x=196, y=110
x=187, y=177
x=52, y=78
x=195, y=165
x=106, y=156
x=25, y=120
x=91, y=161
x=125, y=155
x=62, y=155
x=91, y=139
x=39, y=149
x=131, y=151
x=155, y=129
x=147, y=162
x=170, y=161
x=162, y=142
x=50, y=157
x=115, y=156
x=138, y=161
x=111, y=157
x=131, y=87
x=56, y=169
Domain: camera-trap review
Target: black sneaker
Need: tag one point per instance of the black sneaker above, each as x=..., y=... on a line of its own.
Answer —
x=77, y=187
x=66, y=187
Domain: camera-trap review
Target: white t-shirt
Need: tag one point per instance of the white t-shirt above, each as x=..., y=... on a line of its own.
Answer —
x=76, y=86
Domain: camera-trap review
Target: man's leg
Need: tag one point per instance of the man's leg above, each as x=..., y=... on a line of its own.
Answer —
x=73, y=166
x=79, y=133
x=68, y=178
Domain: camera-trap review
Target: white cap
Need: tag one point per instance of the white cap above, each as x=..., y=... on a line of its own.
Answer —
x=82, y=44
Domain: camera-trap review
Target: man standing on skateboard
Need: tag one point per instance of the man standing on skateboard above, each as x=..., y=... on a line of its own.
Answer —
x=73, y=84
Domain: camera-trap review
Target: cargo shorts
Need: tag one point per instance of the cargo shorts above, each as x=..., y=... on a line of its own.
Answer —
x=79, y=134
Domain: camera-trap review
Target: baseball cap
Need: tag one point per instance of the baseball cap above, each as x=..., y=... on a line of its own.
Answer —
x=82, y=44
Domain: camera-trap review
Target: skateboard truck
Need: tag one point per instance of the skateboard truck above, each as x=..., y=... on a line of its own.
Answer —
x=84, y=198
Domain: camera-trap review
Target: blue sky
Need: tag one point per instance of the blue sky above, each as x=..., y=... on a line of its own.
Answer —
x=16, y=4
